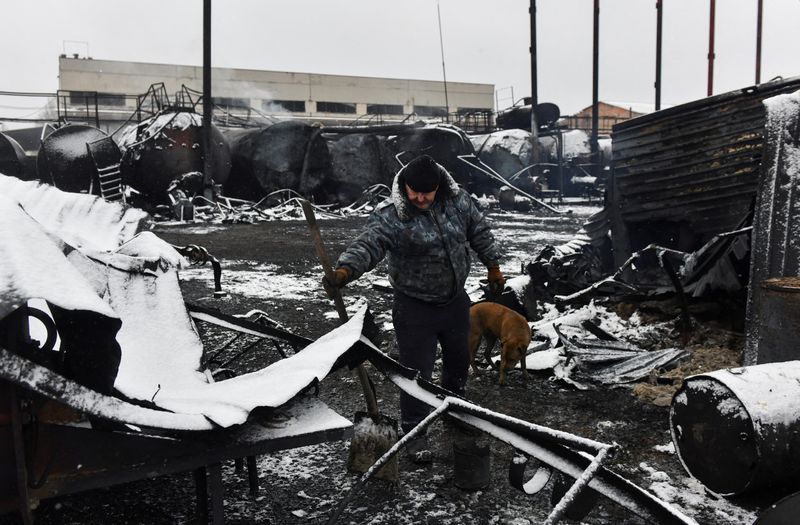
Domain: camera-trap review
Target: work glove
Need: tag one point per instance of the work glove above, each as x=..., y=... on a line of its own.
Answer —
x=337, y=281
x=496, y=281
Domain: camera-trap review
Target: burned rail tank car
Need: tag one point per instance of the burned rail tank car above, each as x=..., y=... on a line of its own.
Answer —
x=166, y=150
x=80, y=159
x=445, y=143
x=284, y=156
x=12, y=157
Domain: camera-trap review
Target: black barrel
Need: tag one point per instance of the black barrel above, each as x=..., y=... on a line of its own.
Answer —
x=738, y=430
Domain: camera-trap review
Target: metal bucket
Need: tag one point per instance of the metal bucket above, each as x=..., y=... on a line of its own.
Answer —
x=471, y=462
x=738, y=430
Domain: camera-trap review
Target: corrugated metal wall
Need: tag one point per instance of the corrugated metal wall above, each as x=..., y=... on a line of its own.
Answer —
x=696, y=164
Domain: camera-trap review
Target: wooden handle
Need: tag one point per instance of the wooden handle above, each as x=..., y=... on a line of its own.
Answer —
x=322, y=255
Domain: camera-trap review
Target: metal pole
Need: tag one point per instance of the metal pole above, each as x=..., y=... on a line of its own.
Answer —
x=595, y=99
x=208, y=108
x=534, y=91
x=659, y=13
x=758, y=40
x=444, y=71
x=711, y=49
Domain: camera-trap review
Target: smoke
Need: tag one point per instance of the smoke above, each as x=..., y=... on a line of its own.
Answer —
x=261, y=99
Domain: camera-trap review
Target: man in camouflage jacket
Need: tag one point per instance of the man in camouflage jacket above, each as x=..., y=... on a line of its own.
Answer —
x=426, y=229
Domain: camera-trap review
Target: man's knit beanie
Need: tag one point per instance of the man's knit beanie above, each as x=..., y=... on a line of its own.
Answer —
x=422, y=174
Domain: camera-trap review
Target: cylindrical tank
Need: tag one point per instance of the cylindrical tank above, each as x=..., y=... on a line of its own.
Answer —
x=167, y=146
x=64, y=160
x=780, y=329
x=355, y=166
x=12, y=157
x=445, y=143
x=738, y=430
x=273, y=158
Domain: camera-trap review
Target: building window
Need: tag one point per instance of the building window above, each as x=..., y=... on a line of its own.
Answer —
x=283, y=106
x=464, y=111
x=110, y=99
x=231, y=102
x=430, y=111
x=82, y=98
x=384, y=109
x=336, y=107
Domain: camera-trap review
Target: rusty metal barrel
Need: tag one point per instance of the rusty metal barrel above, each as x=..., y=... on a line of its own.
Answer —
x=738, y=430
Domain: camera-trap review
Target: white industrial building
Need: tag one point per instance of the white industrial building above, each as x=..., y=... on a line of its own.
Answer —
x=114, y=86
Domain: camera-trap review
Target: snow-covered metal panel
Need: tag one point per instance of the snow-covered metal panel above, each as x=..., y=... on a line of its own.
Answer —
x=684, y=174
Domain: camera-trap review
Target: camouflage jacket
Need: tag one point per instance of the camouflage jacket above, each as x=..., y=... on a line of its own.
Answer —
x=428, y=250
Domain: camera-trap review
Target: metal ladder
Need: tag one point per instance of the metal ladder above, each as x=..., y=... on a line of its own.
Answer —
x=110, y=179
x=107, y=160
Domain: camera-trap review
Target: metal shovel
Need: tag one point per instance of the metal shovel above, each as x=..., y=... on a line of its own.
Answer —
x=373, y=433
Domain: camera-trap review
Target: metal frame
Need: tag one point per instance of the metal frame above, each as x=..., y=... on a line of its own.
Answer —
x=559, y=450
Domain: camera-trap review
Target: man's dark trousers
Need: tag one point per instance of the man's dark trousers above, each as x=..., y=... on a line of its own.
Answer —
x=418, y=327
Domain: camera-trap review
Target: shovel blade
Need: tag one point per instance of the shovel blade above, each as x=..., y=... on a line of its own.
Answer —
x=372, y=437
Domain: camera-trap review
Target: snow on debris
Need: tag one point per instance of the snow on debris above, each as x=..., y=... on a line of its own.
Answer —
x=243, y=278
x=83, y=221
x=35, y=267
x=694, y=499
x=668, y=448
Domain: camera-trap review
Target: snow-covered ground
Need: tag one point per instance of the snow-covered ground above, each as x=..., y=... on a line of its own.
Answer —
x=421, y=498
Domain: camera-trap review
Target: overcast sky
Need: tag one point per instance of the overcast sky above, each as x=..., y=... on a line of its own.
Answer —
x=484, y=41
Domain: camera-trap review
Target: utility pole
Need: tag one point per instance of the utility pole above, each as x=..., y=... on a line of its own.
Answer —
x=444, y=71
x=208, y=108
x=595, y=90
x=659, y=13
x=534, y=92
x=758, y=40
x=711, y=49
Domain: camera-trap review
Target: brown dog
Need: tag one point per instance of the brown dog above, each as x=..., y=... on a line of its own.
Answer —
x=494, y=321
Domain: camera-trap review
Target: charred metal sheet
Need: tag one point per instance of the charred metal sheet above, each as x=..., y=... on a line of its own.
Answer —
x=612, y=362
x=773, y=315
x=684, y=174
x=719, y=265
